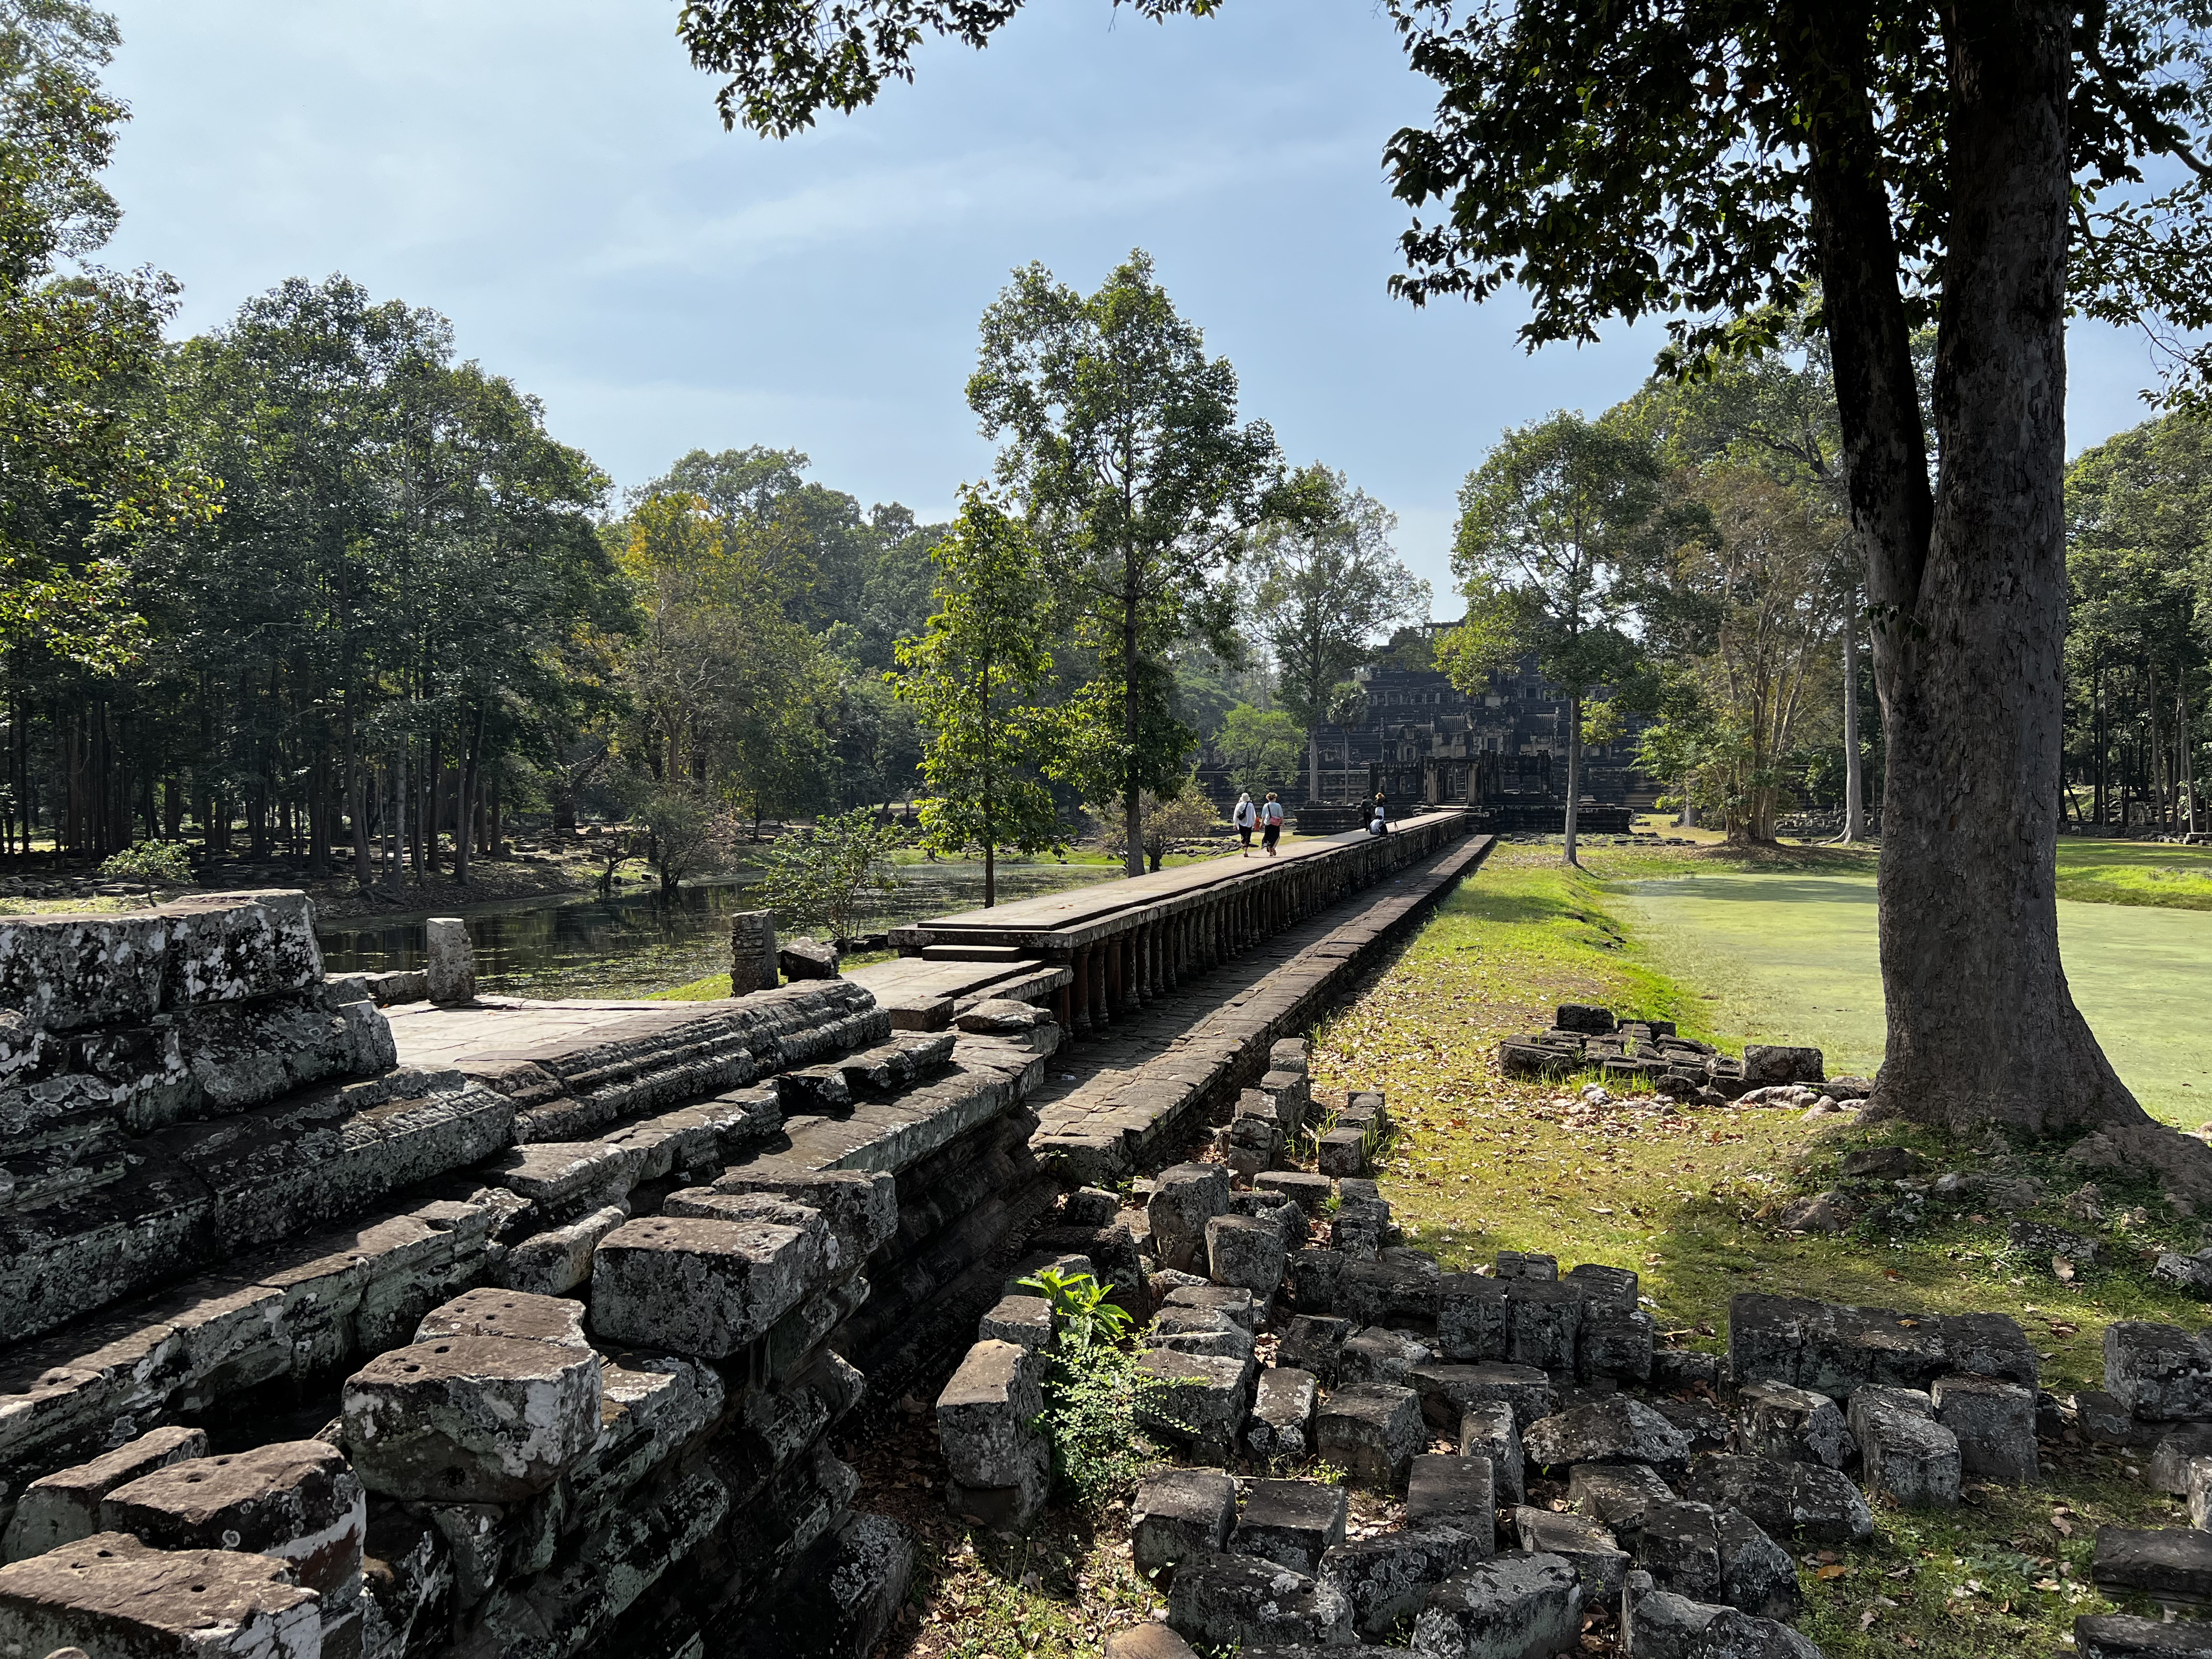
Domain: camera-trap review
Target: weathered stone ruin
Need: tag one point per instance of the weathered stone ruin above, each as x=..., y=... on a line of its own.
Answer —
x=305, y=1351
x=1546, y=1456
x=1648, y=1055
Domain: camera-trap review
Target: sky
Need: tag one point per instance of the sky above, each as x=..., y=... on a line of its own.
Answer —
x=552, y=175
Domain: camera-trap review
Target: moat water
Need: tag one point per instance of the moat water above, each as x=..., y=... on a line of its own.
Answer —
x=634, y=943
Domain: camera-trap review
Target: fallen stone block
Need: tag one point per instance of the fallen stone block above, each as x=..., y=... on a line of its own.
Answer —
x=2169, y=1468
x=1615, y=1430
x=1199, y=1330
x=1511, y=1606
x=1362, y=1226
x=1677, y=1370
x=1617, y=1495
x=471, y=1419
x=1835, y=1350
x=1471, y=1318
x=1185, y=1198
x=1454, y=1491
x=62, y=1507
x=486, y=1312
x=1994, y=1423
x=1179, y=1514
x=1239, y=1600
x=1249, y=1143
x=860, y=1205
x=295, y=1500
x=1615, y=1344
x=1281, y=1425
x=1314, y=1276
x=1614, y=1289
x=1388, y=1576
x=703, y=1288
x=1342, y=1153
x=557, y=1261
x=2172, y=1565
x=1660, y=1625
x=1911, y=1457
x=1792, y=1426
x=1805, y=1501
x=1583, y=1544
x=807, y=959
x=1883, y=1163
x=2199, y=1493
x=1757, y=1575
x=1543, y=1323
x=1292, y=1523
x=1312, y=1192
x=1373, y=1429
x=1767, y=1064
x=1697, y=1420
x=1246, y=1253
x=1397, y=1287
x=1532, y=1265
x=1231, y=1302
x=1488, y=1431
x=2161, y=1373
x=2124, y=1636
x=1380, y=1356
x=1196, y=1400
x=1446, y=1390
x=1024, y=1321
x=111, y=1596
x=1678, y=1544
x=1313, y=1343
x=840, y=1600
x=984, y=1415
x=1151, y=1640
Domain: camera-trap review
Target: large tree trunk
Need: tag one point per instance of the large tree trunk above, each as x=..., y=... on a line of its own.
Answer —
x=1854, y=767
x=1574, y=776
x=1972, y=611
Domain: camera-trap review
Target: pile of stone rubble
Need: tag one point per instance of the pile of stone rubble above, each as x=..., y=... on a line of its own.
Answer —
x=1648, y=1055
x=1548, y=1463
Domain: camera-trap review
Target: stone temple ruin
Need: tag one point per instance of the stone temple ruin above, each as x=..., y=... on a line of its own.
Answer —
x=334, y=1321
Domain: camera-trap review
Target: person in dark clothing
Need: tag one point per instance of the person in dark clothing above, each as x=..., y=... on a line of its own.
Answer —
x=1270, y=823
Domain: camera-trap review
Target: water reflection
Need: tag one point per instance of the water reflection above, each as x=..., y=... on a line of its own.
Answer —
x=626, y=946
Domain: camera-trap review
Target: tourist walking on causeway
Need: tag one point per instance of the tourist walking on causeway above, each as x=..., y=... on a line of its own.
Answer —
x=1381, y=824
x=1270, y=823
x=1244, y=817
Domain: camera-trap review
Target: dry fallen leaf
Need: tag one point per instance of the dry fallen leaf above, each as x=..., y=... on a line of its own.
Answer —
x=1867, y=1619
x=2064, y=1269
x=2065, y=1527
x=1835, y=1569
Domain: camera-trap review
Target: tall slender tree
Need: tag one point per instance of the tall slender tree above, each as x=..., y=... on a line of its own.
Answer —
x=974, y=678
x=1121, y=436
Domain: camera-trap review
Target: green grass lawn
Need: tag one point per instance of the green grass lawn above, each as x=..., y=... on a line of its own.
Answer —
x=2135, y=872
x=1788, y=954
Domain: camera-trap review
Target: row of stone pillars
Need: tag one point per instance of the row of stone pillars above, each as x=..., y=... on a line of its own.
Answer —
x=1152, y=953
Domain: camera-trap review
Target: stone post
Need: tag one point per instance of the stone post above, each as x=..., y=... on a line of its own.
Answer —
x=752, y=951
x=450, y=965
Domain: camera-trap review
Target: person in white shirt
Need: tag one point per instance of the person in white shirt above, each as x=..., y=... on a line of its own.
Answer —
x=1244, y=817
x=1270, y=823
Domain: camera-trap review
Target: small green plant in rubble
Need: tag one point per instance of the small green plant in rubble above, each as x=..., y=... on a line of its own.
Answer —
x=1093, y=1390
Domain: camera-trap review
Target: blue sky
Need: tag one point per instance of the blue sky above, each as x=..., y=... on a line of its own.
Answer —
x=552, y=176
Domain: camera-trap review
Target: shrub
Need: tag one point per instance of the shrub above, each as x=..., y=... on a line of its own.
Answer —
x=150, y=861
x=1092, y=1391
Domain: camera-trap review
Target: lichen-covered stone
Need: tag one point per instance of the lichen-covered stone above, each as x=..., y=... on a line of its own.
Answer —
x=62, y=1507
x=1233, y=1601
x=1615, y=1430
x=1511, y=1606
x=488, y=1312
x=703, y=1288
x=111, y=1596
x=1804, y=1501
x=296, y=1500
x=1178, y=1514
x=1488, y=1430
x=1387, y=1576
x=1374, y=1429
x=1292, y=1523
x=471, y=1419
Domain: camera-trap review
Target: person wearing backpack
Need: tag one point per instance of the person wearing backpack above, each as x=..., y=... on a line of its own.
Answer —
x=1381, y=825
x=1244, y=817
x=1270, y=823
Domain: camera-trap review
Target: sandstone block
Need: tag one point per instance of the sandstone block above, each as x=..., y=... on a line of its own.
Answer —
x=1757, y=1575
x=1792, y=1426
x=2170, y=1564
x=1200, y=1403
x=1386, y=1577
x=1379, y=1356
x=2122, y=1636
x=1446, y=1390
x=487, y=1312
x=1765, y=1064
x=1148, y=1641
x=1451, y=1491
x=111, y=1596
x=449, y=962
x=1024, y=1321
x=1312, y=1343
x=1615, y=1430
x=296, y=1500
x=1199, y=1330
x=1186, y=1198
x=1373, y=1429
x=1232, y=1601
x=1292, y=1523
x=1179, y=1514
x=2169, y=1468
x=1246, y=1253
x=1911, y=1457
x=1994, y=1423
x=1661, y=1624
x=1397, y=1287
x=1612, y=1343
x=1511, y=1606
x=1472, y=1323
x=64, y=1506
x=552, y=1263
x=1312, y=1192
x=861, y=1206
x=1281, y=1425
x=1804, y=1501
x=1342, y=1152
x=1617, y=1496
x=470, y=1419
x=807, y=959
x=1314, y=1276
x=1543, y=1321
x=1680, y=1546
x=2161, y=1373
x=984, y=1414
x=1585, y=1544
x=1231, y=1302
x=703, y=1288
x=1488, y=1431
